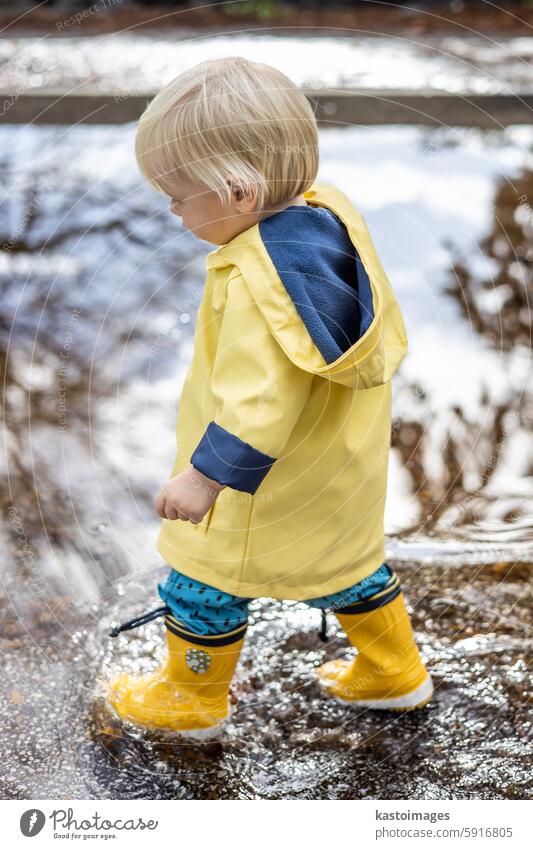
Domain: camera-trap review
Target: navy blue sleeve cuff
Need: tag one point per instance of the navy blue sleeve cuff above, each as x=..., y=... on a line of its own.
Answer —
x=225, y=458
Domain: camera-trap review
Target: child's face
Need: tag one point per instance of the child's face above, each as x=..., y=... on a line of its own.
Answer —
x=204, y=214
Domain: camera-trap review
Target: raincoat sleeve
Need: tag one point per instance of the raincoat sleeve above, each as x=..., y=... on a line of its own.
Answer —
x=259, y=395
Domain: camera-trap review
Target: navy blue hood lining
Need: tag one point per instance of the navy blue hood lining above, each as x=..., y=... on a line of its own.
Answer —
x=323, y=274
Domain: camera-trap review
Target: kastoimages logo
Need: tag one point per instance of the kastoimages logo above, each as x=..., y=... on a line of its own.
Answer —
x=31, y=822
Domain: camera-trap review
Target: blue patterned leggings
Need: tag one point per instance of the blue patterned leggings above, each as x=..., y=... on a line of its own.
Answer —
x=203, y=609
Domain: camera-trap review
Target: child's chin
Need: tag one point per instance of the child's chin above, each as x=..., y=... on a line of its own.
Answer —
x=205, y=236
x=212, y=239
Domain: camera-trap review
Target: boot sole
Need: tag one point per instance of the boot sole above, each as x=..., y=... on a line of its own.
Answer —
x=201, y=734
x=410, y=701
x=192, y=733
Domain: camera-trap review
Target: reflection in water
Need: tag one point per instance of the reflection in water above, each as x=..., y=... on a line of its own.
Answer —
x=99, y=291
x=499, y=306
x=462, y=501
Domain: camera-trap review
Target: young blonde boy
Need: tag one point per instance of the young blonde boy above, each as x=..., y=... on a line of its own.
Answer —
x=278, y=488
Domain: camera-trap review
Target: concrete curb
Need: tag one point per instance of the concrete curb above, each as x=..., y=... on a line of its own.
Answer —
x=334, y=107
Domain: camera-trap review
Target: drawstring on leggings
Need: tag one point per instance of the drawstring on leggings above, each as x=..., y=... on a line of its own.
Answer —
x=323, y=632
x=140, y=620
x=163, y=611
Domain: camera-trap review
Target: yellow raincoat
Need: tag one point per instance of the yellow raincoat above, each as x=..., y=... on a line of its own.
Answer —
x=300, y=435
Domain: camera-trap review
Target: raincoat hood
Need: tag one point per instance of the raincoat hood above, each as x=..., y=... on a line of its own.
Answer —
x=376, y=352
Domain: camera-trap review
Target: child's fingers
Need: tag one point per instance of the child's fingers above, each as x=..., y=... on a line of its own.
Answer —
x=160, y=504
x=171, y=512
x=167, y=510
x=164, y=509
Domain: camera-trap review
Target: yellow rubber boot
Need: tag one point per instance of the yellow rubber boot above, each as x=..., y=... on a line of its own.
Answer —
x=189, y=693
x=388, y=673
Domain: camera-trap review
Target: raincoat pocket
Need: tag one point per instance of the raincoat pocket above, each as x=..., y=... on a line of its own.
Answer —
x=207, y=518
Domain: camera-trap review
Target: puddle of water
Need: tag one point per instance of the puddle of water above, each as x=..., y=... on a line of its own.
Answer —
x=100, y=287
x=128, y=62
x=285, y=739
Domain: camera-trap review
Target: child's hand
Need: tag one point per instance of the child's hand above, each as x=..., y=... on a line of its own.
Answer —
x=187, y=496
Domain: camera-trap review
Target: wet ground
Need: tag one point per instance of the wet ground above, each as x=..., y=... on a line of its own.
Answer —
x=285, y=740
x=99, y=289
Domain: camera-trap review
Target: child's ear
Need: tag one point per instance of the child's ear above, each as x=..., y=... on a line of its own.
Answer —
x=244, y=196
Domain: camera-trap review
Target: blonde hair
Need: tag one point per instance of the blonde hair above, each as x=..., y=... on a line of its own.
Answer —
x=230, y=119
